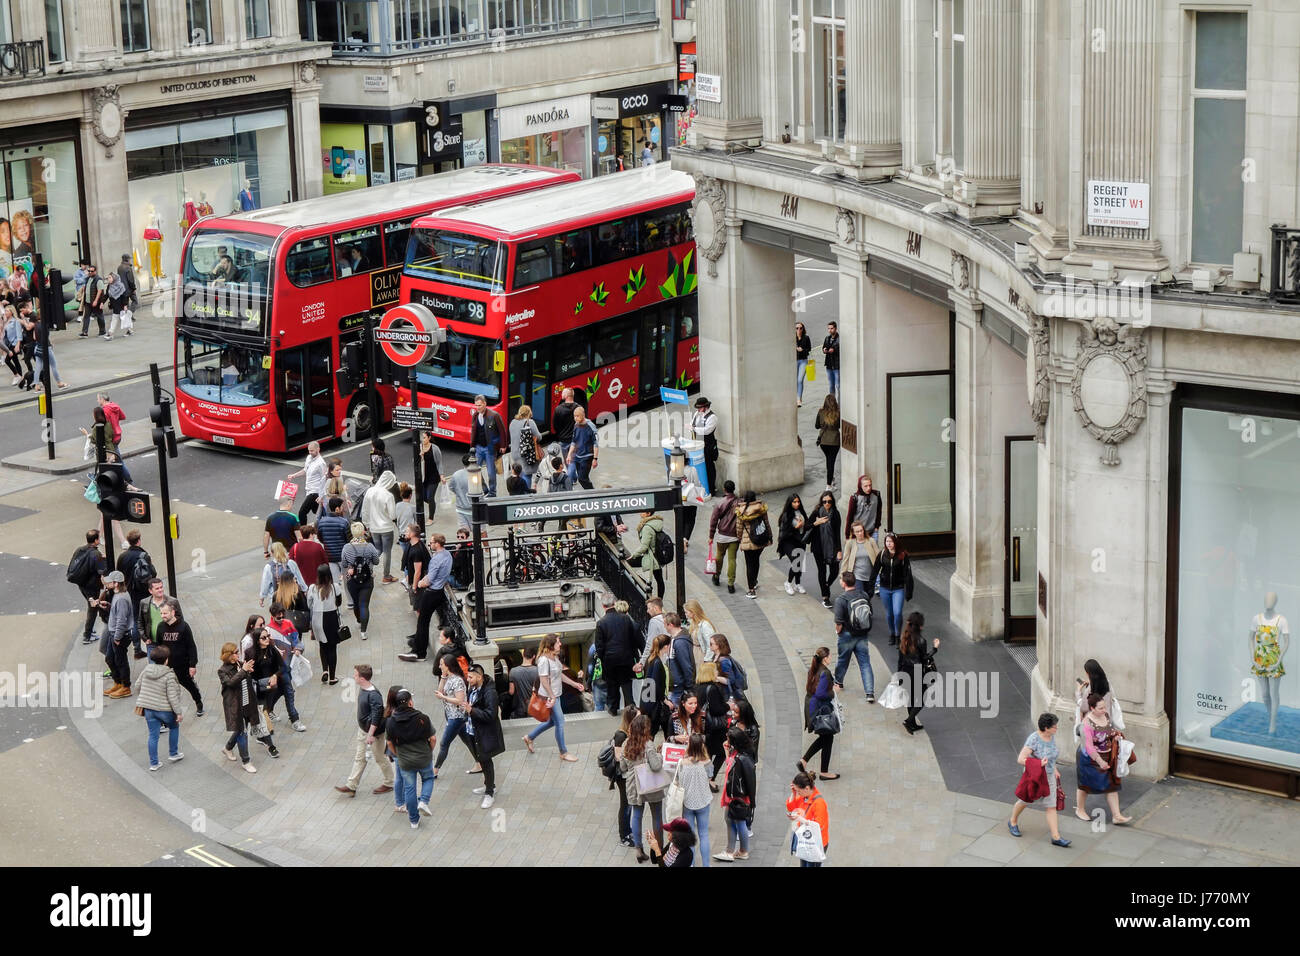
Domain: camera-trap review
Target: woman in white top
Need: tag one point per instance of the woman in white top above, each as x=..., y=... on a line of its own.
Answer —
x=1095, y=684
x=693, y=774
x=248, y=643
x=550, y=685
x=323, y=600
x=701, y=629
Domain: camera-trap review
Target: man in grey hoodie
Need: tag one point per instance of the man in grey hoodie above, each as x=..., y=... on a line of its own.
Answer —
x=459, y=485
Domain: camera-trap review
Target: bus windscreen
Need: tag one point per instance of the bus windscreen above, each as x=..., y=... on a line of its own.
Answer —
x=462, y=367
x=225, y=275
x=224, y=373
x=453, y=257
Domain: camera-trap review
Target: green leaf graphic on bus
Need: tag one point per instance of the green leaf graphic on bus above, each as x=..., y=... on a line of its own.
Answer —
x=681, y=277
x=631, y=393
x=578, y=308
x=598, y=293
x=635, y=282
x=593, y=385
x=684, y=381
x=695, y=349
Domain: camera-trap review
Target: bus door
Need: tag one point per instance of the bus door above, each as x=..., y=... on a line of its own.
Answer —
x=530, y=381
x=305, y=393
x=656, y=352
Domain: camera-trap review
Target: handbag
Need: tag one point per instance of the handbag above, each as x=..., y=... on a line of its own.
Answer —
x=139, y=711
x=1091, y=777
x=91, y=493
x=675, y=798
x=711, y=562
x=826, y=721
x=1060, y=796
x=650, y=784
x=538, y=708
x=345, y=634
x=811, y=371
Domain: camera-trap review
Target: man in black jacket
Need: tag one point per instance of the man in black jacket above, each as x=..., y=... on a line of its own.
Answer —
x=618, y=648
x=370, y=733
x=183, y=656
x=831, y=351
x=90, y=583
x=681, y=658
x=126, y=563
x=411, y=739
x=562, y=419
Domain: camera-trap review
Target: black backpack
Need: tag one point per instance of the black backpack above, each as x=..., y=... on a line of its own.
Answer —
x=664, y=548
x=142, y=573
x=363, y=572
x=860, y=615
x=739, y=679
x=607, y=762
x=528, y=446
x=760, y=531
x=82, y=565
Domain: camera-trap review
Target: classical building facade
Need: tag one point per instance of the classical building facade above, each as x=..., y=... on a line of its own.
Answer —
x=1067, y=302
x=119, y=114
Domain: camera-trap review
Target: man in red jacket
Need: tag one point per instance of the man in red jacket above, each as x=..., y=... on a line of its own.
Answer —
x=309, y=554
x=113, y=412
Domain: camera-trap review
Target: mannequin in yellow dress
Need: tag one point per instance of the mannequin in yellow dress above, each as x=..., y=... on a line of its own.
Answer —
x=1270, y=636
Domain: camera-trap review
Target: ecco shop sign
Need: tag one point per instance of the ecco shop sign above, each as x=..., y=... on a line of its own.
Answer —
x=532, y=118
x=636, y=101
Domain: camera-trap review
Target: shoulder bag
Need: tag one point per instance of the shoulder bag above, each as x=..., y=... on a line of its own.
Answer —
x=539, y=707
x=650, y=784
x=675, y=798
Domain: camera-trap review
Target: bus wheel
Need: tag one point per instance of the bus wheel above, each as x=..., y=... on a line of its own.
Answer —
x=361, y=418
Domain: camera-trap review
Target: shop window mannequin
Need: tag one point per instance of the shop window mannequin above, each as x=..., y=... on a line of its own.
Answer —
x=153, y=239
x=204, y=207
x=189, y=214
x=246, y=201
x=1270, y=636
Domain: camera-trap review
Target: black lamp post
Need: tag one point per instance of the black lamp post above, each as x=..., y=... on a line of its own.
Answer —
x=677, y=472
x=476, y=525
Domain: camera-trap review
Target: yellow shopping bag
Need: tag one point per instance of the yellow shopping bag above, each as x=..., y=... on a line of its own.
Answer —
x=812, y=370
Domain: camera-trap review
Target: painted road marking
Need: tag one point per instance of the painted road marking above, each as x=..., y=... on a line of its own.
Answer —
x=206, y=856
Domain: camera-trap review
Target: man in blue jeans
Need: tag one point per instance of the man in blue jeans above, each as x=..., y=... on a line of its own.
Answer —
x=584, y=452
x=852, y=610
x=490, y=439
x=831, y=359
x=410, y=739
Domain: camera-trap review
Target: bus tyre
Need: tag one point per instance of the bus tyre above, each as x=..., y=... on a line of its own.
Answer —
x=359, y=413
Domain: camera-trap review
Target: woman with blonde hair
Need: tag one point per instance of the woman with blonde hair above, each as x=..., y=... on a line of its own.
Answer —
x=294, y=601
x=278, y=563
x=358, y=561
x=701, y=628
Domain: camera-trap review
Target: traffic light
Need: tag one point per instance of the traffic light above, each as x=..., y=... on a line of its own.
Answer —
x=112, y=492
x=60, y=311
x=164, y=436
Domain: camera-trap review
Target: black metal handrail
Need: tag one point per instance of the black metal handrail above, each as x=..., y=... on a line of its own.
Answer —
x=21, y=59
x=1284, y=280
x=622, y=581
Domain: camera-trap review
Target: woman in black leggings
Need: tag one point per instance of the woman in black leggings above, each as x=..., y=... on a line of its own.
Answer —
x=821, y=694
x=825, y=544
x=828, y=435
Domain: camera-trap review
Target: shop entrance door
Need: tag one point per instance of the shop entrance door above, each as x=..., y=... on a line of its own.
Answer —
x=1021, y=576
x=656, y=352
x=305, y=393
x=921, y=466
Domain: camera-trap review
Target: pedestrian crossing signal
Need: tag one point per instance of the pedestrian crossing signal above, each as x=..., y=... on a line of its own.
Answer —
x=137, y=508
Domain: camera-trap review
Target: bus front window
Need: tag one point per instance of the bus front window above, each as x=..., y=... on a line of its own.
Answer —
x=463, y=367
x=225, y=374
x=455, y=258
x=225, y=275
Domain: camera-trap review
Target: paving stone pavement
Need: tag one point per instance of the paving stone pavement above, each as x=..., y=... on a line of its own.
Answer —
x=894, y=805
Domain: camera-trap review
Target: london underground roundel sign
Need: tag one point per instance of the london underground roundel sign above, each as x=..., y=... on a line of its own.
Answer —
x=406, y=333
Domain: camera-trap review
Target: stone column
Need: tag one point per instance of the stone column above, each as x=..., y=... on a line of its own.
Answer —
x=103, y=177
x=729, y=47
x=942, y=92
x=990, y=181
x=1120, y=96
x=166, y=30
x=306, y=130
x=745, y=324
x=873, y=147
x=918, y=76
x=862, y=381
x=976, y=586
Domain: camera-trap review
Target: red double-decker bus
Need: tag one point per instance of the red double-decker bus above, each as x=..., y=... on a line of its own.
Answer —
x=272, y=303
x=589, y=285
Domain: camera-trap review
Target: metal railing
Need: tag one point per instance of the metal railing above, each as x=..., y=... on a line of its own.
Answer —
x=22, y=59
x=528, y=557
x=623, y=582
x=1284, y=280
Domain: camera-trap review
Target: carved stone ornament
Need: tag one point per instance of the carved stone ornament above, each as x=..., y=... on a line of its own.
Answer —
x=108, y=116
x=845, y=226
x=706, y=215
x=1040, y=402
x=308, y=72
x=1110, y=382
x=960, y=271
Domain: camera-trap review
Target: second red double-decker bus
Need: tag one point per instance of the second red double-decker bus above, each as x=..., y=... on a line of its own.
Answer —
x=589, y=285
x=272, y=301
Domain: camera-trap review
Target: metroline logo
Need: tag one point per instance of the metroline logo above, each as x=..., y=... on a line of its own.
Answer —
x=520, y=316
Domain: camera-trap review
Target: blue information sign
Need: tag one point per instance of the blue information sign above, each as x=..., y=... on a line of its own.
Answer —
x=673, y=396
